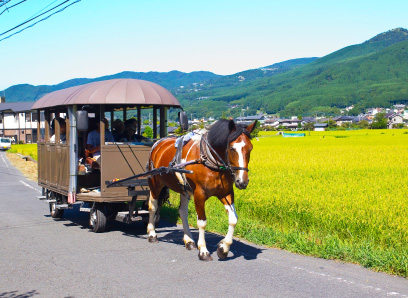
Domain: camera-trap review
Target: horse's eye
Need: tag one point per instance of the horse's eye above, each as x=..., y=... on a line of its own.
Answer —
x=233, y=149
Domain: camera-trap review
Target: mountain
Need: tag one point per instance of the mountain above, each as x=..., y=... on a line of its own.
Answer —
x=373, y=73
x=170, y=80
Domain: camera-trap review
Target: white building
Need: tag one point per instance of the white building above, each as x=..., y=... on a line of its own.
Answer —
x=18, y=122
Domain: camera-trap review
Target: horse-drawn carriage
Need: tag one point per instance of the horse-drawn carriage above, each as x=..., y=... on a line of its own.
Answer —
x=129, y=179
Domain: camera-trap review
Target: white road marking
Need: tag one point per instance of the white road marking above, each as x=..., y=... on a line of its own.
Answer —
x=349, y=282
x=28, y=185
x=2, y=157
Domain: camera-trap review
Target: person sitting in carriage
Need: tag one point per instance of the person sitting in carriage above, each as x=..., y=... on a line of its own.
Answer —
x=93, y=142
x=62, y=125
x=130, y=135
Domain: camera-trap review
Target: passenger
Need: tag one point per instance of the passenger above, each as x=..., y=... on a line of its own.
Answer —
x=62, y=125
x=94, y=137
x=118, y=129
x=129, y=135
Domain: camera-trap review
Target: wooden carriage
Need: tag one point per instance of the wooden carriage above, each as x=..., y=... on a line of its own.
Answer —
x=60, y=164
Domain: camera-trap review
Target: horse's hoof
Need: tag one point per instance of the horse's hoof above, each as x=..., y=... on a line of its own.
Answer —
x=191, y=246
x=153, y=239
x=205, y=257
x=220, y=252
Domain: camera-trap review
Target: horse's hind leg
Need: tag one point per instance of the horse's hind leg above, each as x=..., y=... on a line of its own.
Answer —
x=153, y=205
x=224, y=245
x=183, y=211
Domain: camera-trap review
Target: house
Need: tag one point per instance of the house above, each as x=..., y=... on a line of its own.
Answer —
x=271, y=122
x=290, y=123
x=344, y=119
x=405, y=115
x=393, y=119
x=250, y=119
x=320, y=126
x=18, y=122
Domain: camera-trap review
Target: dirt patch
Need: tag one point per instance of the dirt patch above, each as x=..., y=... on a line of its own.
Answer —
x=27, y=168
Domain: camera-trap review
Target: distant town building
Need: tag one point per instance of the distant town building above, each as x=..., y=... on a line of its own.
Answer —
x=18, y=122
x=320, y=126
x=393, y=119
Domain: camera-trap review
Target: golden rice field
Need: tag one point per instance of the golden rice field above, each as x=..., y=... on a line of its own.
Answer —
x=340, y=195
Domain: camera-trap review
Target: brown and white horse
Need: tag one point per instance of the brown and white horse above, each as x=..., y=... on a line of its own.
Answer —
x=219, y=158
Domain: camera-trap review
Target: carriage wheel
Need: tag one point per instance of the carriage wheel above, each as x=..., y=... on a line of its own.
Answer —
x=56, y=213
x=97, y=218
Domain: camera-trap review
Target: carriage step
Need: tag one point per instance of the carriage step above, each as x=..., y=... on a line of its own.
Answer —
x=62, y=206
x=42, y=197
x=51, y=201
x=85, y=209
x=124, y=217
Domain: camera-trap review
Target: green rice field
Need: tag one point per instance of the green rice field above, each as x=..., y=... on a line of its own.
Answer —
x=337, y=195
x=25, y=149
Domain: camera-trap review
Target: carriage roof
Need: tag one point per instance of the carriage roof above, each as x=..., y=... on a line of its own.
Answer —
x=115, y=92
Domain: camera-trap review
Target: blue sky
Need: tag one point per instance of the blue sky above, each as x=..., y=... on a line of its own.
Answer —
x=97, y=37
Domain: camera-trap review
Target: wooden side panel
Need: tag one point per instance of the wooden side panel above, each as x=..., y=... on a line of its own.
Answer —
x=62, y=165
x=42, y=162
x=118, y=161
x=52, y=173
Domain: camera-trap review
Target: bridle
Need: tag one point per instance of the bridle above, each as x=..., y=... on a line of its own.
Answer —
x=226, y=166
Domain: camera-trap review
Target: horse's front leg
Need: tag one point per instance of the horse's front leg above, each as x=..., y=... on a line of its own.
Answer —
x=183, y=210
x=224, y=245
x=153, y=205
x=199, y=201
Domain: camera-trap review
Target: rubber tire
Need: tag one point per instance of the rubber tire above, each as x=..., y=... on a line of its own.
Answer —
x=97, y=218
x=54, y=212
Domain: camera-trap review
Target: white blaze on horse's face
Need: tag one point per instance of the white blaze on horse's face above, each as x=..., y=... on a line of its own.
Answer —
x=241, y=177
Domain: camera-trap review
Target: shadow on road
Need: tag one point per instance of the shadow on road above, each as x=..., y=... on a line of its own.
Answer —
x=166, y=232
x=16, y=294
x=169, y=233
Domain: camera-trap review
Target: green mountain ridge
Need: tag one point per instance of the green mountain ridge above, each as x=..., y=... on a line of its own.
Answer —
x=373, y=73
x=170, y=80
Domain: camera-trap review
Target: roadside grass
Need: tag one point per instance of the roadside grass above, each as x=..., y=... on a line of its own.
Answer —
x=27, y=168
x=335, y=195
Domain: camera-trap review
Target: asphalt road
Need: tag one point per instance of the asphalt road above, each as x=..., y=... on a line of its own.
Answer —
x=43, y=257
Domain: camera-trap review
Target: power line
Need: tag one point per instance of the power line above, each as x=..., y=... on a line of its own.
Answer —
x=34, y=18
x=7, y=8
x=43, y=9
x=39, y=20
x=4, y=2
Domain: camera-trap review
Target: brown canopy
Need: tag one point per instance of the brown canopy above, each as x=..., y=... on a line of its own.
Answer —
x=118, y=91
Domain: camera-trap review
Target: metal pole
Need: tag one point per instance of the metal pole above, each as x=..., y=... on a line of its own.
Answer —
x=73, y=154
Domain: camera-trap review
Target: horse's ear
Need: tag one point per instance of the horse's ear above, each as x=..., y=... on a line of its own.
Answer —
x=231, y=125
x=252, y=126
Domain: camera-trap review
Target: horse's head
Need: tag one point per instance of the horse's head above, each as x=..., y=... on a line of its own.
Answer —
x=239, y=151
x=233, y=143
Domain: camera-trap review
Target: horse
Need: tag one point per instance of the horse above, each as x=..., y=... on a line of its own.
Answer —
x=218, y=158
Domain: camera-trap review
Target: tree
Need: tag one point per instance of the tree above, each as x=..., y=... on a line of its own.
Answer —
x=332, y=123
x=148, y=132
x=363, y=124
x=380, y=121
x=308, y=126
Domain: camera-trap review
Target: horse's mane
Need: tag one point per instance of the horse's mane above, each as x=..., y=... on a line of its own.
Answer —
x=219, y=134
